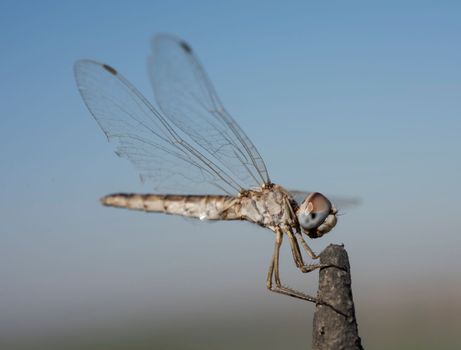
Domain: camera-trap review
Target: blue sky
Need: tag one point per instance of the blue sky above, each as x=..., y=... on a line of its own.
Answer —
x=348, y=98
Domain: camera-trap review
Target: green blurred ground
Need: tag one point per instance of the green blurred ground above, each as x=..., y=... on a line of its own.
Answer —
x=399, y=327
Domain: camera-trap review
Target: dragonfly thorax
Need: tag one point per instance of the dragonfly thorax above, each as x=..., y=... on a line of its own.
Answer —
x=267, y=207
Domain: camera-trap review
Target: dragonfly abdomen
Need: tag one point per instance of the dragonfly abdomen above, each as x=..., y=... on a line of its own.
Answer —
x=206, y=207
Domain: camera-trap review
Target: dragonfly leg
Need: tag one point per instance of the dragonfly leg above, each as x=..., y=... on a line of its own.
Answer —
x=295, y=251
x=308, y=249
x=270, y=273
x=279, y=288
x=298, y=257
x=274, y=272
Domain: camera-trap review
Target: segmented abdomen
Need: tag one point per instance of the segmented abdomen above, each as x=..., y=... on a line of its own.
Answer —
x=211, y=207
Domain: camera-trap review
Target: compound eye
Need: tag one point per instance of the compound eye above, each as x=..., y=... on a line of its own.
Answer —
x=313, y=211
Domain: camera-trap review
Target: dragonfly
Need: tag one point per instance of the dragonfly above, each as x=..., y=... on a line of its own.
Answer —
x=191, y=142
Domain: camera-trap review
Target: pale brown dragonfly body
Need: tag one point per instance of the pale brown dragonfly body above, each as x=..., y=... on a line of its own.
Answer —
x=195, y=142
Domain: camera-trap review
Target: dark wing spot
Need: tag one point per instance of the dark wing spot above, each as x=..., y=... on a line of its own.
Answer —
x=185, y=46
x=109, y=69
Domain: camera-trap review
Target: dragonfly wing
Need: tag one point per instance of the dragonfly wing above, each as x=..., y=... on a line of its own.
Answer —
x=158, y=150
x=187, y=97
x=340, y=202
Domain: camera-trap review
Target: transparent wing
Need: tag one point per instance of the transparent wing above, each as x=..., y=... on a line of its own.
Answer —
x=340, y=202
x=186, y=96
x=141, y=134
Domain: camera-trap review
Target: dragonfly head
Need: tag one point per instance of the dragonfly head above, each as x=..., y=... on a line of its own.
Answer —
x=316, y=215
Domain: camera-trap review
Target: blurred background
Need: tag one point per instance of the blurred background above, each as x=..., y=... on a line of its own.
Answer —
x=348, y=98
